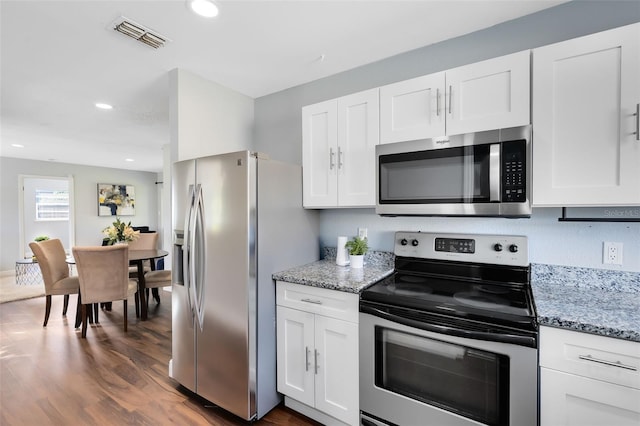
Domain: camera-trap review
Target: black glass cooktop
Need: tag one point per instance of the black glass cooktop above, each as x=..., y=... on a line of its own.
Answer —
x=500, y=299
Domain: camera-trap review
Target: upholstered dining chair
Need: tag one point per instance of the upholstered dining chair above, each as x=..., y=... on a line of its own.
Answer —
x=157, y=279
x=104, y=277
x=145, y=241
x=51, y=257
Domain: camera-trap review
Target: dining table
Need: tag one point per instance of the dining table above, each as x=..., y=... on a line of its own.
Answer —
x=137, y=258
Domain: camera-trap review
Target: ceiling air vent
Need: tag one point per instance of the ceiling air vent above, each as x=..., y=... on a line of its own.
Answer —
x=139, y=32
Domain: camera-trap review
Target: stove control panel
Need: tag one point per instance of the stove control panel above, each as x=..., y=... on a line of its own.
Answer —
x=455, y=245
x=478, y=248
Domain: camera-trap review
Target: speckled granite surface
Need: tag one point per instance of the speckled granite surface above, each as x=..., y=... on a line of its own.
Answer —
x=590, y=300
x=326, y=274
x=598, y=301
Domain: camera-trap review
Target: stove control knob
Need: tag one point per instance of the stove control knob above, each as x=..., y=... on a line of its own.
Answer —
x=415, y=242
x=497, y=247
x=513, y=248
x=404, y=242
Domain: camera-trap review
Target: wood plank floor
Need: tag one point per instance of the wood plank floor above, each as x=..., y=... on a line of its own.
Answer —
x=50, y=376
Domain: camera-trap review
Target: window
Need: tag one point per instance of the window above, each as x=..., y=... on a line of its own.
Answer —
x=52, y=205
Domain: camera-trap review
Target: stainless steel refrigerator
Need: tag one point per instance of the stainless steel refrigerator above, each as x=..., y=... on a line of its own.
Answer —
x=237, y=218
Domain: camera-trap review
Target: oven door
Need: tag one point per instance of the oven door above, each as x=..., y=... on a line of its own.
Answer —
x=410, y=376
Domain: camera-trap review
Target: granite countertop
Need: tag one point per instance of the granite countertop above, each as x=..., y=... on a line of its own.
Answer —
x=594, y=301
x=326, y=274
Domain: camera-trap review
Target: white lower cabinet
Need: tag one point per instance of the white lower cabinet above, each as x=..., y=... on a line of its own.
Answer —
x=317, y=352
x=588, y=380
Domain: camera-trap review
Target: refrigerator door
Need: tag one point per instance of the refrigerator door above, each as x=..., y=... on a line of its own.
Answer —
x=183, y=331
x=228, y=220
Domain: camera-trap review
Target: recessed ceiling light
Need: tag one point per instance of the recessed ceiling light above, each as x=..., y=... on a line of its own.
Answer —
x=206, y=8
x=103, y=106
x=17, y=145
x=129, y=159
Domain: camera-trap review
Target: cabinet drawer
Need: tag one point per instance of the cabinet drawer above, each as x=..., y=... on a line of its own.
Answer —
x=570, y=400
x=603, y=358
x=330, y=303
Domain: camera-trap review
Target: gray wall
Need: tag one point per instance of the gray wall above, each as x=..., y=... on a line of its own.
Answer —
x=88, y=225
x=278, y=132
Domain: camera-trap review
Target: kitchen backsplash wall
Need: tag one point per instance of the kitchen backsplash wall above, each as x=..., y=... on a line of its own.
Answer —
x=550, y=242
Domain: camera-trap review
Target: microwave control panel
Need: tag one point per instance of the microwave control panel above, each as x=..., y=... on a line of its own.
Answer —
x=514, y=176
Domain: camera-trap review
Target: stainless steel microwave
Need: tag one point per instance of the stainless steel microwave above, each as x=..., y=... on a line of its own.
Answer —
x=475, y=174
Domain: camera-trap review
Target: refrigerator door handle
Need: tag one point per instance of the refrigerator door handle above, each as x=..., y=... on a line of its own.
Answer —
x=198, y=251
x=187, y=252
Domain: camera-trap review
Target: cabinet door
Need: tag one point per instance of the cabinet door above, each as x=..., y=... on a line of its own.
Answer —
x=585, y=94
x=319, y=154
x=487, y=95
x=295, y=348
x=358, y=135
x=337, y=391
x=412, y=109
x=570, y=400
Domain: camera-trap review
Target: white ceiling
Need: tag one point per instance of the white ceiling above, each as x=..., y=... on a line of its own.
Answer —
x=58, y=58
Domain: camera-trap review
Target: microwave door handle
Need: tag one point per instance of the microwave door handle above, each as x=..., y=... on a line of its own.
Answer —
x=494, y=172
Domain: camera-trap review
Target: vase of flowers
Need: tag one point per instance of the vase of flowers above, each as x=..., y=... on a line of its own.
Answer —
x=120, y=233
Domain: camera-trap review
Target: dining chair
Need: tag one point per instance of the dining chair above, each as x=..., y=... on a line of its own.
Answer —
x=157, y=279
x=145, y=241
x=104, y=277
x=51, y=257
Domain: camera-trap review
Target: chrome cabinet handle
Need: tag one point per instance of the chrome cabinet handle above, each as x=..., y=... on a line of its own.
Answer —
x=437, y=102
x=605, y=362
x=339, y=158
x=315, y=359
x=306, y=358
x=637, y=114
x=331, y=156
x=315, y=302
x=450, y=97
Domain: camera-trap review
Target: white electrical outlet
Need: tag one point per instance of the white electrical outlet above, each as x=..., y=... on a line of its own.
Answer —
x=612, y=253
x=362, y=233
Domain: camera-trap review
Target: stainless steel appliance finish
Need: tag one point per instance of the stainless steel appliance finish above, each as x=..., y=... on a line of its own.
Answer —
x=451, y=337
x=229, y=238
x=476, y=174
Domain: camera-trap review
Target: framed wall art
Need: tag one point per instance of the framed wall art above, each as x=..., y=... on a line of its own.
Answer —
x=116, y=200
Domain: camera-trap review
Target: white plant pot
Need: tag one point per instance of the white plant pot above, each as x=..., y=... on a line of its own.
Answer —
x=357, y=261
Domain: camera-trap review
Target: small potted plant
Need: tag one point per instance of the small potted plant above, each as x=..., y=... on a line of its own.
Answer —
x=357, y=248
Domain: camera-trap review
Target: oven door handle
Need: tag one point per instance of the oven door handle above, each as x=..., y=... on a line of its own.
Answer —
x=453, y=331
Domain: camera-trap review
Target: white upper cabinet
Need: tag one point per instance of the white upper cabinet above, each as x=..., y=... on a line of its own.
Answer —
x=486, y=95
x=338, y=151
x=412, y=109
x=586, y=95
x=319, y=150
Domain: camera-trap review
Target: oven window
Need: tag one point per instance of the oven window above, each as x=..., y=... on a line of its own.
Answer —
x=453, y=175
x=469, y=382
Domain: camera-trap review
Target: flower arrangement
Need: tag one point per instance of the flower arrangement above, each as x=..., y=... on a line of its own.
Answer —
x=119, y=232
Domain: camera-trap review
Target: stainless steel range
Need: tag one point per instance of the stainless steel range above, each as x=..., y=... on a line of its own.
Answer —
x=451, y=337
